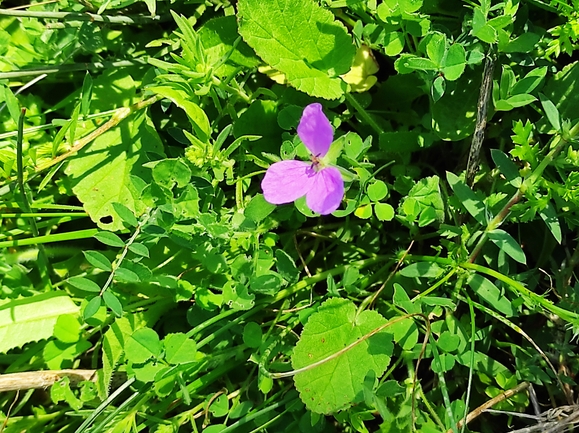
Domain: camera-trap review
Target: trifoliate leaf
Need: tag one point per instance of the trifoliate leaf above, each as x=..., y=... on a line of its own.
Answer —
x=339, y=382
x=324, y=52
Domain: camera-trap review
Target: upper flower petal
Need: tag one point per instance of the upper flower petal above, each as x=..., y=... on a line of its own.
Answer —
x=286, y=181
x=327, y=191
x=315, y=130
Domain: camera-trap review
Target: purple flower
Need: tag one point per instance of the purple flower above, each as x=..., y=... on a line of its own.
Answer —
x=323, y=186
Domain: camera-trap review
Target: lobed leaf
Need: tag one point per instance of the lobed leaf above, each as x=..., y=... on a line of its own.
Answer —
x=324, y=52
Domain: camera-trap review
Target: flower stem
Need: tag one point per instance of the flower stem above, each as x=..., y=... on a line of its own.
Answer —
x=80, y=16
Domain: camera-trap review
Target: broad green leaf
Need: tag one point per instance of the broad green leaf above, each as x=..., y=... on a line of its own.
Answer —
x=508, y=244
x=506, y=166
x=384, y=211
x=286, y=266
x=252, y=335
x=223, y=50
x=237, y=296
x=338, y=382
x=101, y=172
x=467, y=197
x=32, y=318
x=312, y=55
x=436, y=48
x=438, y=88
x=67, y=328
x=364, y=211
x=179, y=349
x=143, y=344
x=258, y=209
x=507, y=81
x=549, y=215
x=454, y=115
x=268, y=284
x=98, y=260
x=377, y=190
x=491, y=294
x=110, y=239
x=524, y=43
x=171, y=171
x=454, y=62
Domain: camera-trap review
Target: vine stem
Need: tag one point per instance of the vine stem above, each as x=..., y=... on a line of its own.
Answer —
x=81, y=16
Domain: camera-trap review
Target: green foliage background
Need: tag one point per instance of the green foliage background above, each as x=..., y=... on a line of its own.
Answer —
x=143, y=272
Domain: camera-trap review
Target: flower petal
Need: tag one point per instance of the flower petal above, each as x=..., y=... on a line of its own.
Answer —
x=327, y=191
x=286, y=181
x=315, y=130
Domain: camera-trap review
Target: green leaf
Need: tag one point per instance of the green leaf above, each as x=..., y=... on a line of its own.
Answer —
x=252, y=335
x=268, y=284
x=223, y=50
x=384, y=211
x=171, y=171
x=113, y=303
x=286, y=266
x=364, y=211
x=196, y=115
x=377, y=190
x=525, y=43
x=422, y=269
x=126, y=275
x=139, y=249
x=237, y=296
x=84, y=284
x=530, y=81
x=11, y=102
x=559, y=90
x=67, y=328
x=100, y=173
x=143, y=344
x=110, y=239
x=86, y=94
x=436, y=48
x=338, y=383
x=438, y=88
x=467, y=197
x=507, y=243
x=454, y=62
x=551, y=112
x=32, y=318
x=98, y=260
x=312, y=55
x=113, y=347
x=491, y=294
x=179, y=349
x=507, y=167
x=520, y=100
x=92, y=307
x=549, y=215
x=125, y=214
x=258, y=209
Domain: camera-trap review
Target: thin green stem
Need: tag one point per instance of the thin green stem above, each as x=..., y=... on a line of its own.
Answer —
x=124, y=253
x=364, y=114
x=57, y=237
